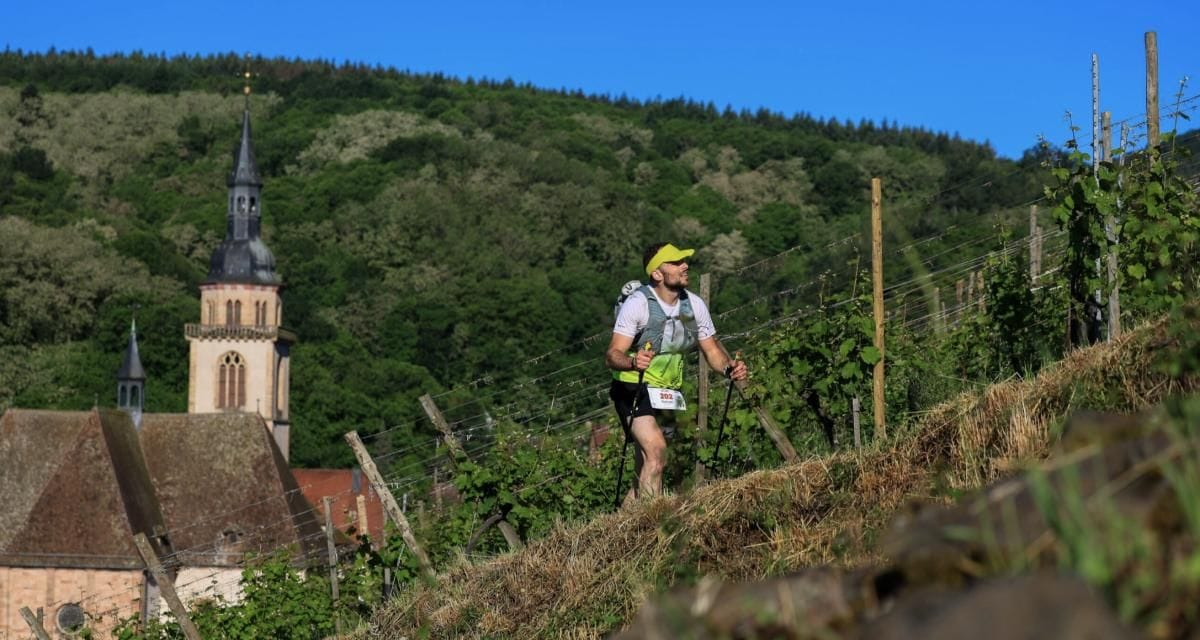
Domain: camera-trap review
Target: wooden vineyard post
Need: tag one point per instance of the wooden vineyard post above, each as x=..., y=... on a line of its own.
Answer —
x=958, y=298
x=877, y=279
x=166, y=585
x=768, y=424
x=1114, y=290
x=35, y=624
x=389, y=501
x=935, y=317
x=1035, y=246
x=439, y=421
x=1151, y=89
x=856, y=407
x=360, y=509
x=331, y=550
x=702, y=401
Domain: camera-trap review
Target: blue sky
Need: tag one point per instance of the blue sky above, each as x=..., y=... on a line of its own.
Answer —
x=999, y=71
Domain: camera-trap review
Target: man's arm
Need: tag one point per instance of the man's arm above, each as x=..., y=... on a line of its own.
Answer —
x=718, y=359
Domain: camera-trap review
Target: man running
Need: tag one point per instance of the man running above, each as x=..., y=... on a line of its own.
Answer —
x=673, y=321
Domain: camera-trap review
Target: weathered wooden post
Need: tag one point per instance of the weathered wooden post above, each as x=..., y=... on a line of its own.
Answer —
x=35, y=624
x=1035, y=246
x=958, y=298
x=935, y=315
x=1114, y=289
x=439, y=421
x=389, y=501
x=331, y=550
x=1151, y=89
x=877, y=278
x=855, y=407
x=768, y=424
x=166, y=585
x=360, y=508
x=702, y=401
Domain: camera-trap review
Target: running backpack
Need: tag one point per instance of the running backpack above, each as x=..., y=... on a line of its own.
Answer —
x=626, y=289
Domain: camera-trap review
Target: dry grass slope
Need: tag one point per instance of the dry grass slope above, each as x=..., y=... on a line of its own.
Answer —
x=588, y=579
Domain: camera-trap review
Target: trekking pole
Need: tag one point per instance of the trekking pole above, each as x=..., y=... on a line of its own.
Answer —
x=628, y=432
x=725, y=411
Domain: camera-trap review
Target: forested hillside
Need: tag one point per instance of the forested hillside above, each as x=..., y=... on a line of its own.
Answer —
x=431, y=233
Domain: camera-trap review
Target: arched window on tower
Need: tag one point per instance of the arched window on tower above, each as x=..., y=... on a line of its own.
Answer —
x=133, y=398
x=229, y=313
x=241, y=204
x=123, y=397
x=237, y=313
x=212, y=312
x=253, y=204
x=231, y=381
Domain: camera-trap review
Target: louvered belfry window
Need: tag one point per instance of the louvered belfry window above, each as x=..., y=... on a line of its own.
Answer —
x=231, y=381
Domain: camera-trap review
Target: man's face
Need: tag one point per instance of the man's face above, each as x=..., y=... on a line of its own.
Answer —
x=675, y=274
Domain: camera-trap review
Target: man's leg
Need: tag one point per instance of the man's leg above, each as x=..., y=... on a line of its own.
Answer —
x=653, y=449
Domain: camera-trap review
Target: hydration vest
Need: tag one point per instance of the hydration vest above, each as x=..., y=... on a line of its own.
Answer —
x=669, y=336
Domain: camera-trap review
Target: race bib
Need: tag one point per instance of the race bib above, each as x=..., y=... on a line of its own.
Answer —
x=666, y=399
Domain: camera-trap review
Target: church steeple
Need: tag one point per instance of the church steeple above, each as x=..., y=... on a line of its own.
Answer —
x=131, y=380
x=243, y=257
x=240, y=353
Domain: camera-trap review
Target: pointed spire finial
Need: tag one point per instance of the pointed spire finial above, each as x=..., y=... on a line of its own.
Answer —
x=246, y=75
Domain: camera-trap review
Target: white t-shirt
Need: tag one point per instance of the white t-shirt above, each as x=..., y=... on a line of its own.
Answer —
x=635, y=314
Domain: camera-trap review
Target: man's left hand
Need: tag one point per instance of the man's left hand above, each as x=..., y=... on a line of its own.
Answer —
x=737, y=370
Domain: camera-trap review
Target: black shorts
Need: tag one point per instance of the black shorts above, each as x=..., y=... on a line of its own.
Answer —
x=622, y=394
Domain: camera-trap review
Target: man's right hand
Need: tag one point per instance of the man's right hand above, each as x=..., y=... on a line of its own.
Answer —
x=641, y=361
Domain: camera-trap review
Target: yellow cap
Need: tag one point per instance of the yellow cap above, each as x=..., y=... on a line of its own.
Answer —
x=668, y=253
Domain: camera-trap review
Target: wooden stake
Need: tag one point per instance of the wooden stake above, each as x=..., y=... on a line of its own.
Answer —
x=935, y=316
x=768, y=424
x=360, y=504
x=1114, y=277
x=855, y=407
x=34, y=624
x=389, y=501
x=702, y=401
x=958, y=296
x=1035, y=267
x=1151, y=88
x=439, y=421
x=1106, y=136
x=877, y=278
x=166, y=585
x=1114, y=306
x=331, y=550
x=1096, y=153
x=971, y=288
x=510, y=535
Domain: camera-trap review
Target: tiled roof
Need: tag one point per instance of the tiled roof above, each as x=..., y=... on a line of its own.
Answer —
x=225, y=488
x=78, y=485
x=76, y=489
x=341, y=486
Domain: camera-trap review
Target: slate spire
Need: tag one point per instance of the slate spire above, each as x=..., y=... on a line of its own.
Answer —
x=131, y=379
x=243, y=257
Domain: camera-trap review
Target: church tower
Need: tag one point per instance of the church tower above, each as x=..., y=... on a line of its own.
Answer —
x=239, y=351
x=131, y=380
